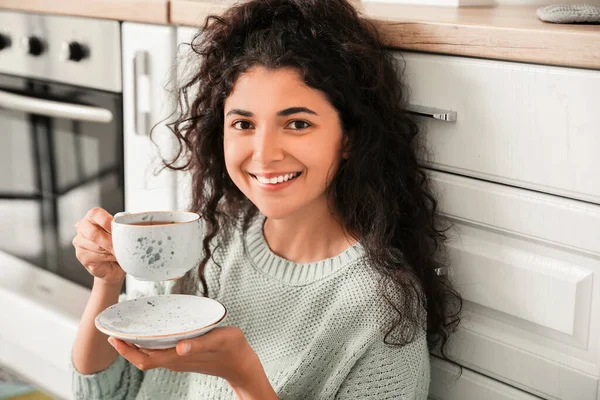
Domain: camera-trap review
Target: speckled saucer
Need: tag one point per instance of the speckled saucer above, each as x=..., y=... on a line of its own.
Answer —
x=159, y=322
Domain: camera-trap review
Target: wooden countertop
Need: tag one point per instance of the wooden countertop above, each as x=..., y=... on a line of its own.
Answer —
x=503, y=32
x=151, y=11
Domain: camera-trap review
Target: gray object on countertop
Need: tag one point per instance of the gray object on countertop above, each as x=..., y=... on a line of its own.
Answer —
x=570, y=14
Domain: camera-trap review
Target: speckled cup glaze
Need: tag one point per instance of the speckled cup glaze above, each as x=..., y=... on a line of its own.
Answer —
x=157, y=252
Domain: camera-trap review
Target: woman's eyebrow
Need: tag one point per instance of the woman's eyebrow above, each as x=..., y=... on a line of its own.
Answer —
x=282, y=113
x=295, y=110
x=243, y=113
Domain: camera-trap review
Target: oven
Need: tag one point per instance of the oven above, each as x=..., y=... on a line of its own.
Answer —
x=61, y=153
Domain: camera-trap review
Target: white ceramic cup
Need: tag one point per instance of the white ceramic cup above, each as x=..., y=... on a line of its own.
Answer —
x=157, y=252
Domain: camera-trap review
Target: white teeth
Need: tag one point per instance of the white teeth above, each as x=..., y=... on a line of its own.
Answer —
x=277, y=179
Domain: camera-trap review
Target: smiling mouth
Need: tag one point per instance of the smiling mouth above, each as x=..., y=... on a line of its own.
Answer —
x=276, y=179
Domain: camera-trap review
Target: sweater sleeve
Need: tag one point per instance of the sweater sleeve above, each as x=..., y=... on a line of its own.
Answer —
x=120, y=381
x=389, y=372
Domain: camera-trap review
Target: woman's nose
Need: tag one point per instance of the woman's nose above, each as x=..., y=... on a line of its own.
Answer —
x=267, y=147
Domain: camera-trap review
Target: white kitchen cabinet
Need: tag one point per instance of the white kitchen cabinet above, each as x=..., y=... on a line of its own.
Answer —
x=515, y=174
x=148, y=74
x=184, y=68
x=470, y=386
x=525, y=263
x=526, y=125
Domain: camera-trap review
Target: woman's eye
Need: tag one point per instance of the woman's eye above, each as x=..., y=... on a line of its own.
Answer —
x=242, y=125
x=299, y=125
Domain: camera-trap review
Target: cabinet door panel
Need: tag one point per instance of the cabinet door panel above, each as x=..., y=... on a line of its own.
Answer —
x=184, y=68
x=445, y=385
x=531, y=126
x=148, y=186
x=531, y=308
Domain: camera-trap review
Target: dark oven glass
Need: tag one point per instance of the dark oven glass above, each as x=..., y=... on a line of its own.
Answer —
x=54, y=167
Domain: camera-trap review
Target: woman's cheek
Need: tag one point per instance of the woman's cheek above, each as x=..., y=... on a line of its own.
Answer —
x=232, y=162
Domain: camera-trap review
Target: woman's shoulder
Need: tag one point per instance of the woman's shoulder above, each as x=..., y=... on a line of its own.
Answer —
x=374, y=298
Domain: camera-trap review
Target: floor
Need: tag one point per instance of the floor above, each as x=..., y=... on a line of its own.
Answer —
x=13, y=388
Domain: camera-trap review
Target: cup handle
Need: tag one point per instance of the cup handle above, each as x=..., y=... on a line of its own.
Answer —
x=121, y=214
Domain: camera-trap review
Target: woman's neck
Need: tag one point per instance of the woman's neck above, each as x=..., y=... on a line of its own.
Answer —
x=309, y=235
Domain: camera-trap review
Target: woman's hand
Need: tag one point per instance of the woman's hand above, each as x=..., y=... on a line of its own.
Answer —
x=94, y=249
x=222, y=352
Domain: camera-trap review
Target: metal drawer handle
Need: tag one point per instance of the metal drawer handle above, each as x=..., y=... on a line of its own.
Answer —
x=56, y=109
x=141, y=92
x=430, y=112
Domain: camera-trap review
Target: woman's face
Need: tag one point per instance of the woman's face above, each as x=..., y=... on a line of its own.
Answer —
x=282, y=141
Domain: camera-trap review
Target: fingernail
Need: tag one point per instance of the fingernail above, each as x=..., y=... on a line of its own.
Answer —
x=185, y=348
x=112, y=342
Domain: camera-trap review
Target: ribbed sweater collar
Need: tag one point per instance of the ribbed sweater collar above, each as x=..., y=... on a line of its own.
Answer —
x=289, y=272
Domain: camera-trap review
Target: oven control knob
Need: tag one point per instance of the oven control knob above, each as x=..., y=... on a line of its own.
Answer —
x=33, y=45
x=73, y=51
x=4, y=41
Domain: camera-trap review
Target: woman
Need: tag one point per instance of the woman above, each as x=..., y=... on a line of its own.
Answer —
x=321, y=236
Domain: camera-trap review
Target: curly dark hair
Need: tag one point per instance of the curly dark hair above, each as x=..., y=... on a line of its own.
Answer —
x=380, y=189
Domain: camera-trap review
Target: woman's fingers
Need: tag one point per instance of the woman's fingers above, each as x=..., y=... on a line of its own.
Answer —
x=134, y=356
x=96, y=260
x=93, y=246
x=100, y=217
x=95, y=234
x=86, y=244
x=89, y=258
x=146, y=359
x=133, y=346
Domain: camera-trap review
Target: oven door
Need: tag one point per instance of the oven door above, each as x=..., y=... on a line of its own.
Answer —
x=61, y=153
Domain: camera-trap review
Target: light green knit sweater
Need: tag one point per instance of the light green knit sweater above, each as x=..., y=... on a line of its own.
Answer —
x=317, y=328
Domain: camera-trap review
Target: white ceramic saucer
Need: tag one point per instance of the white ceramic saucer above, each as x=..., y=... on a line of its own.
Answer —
x=159, y=322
